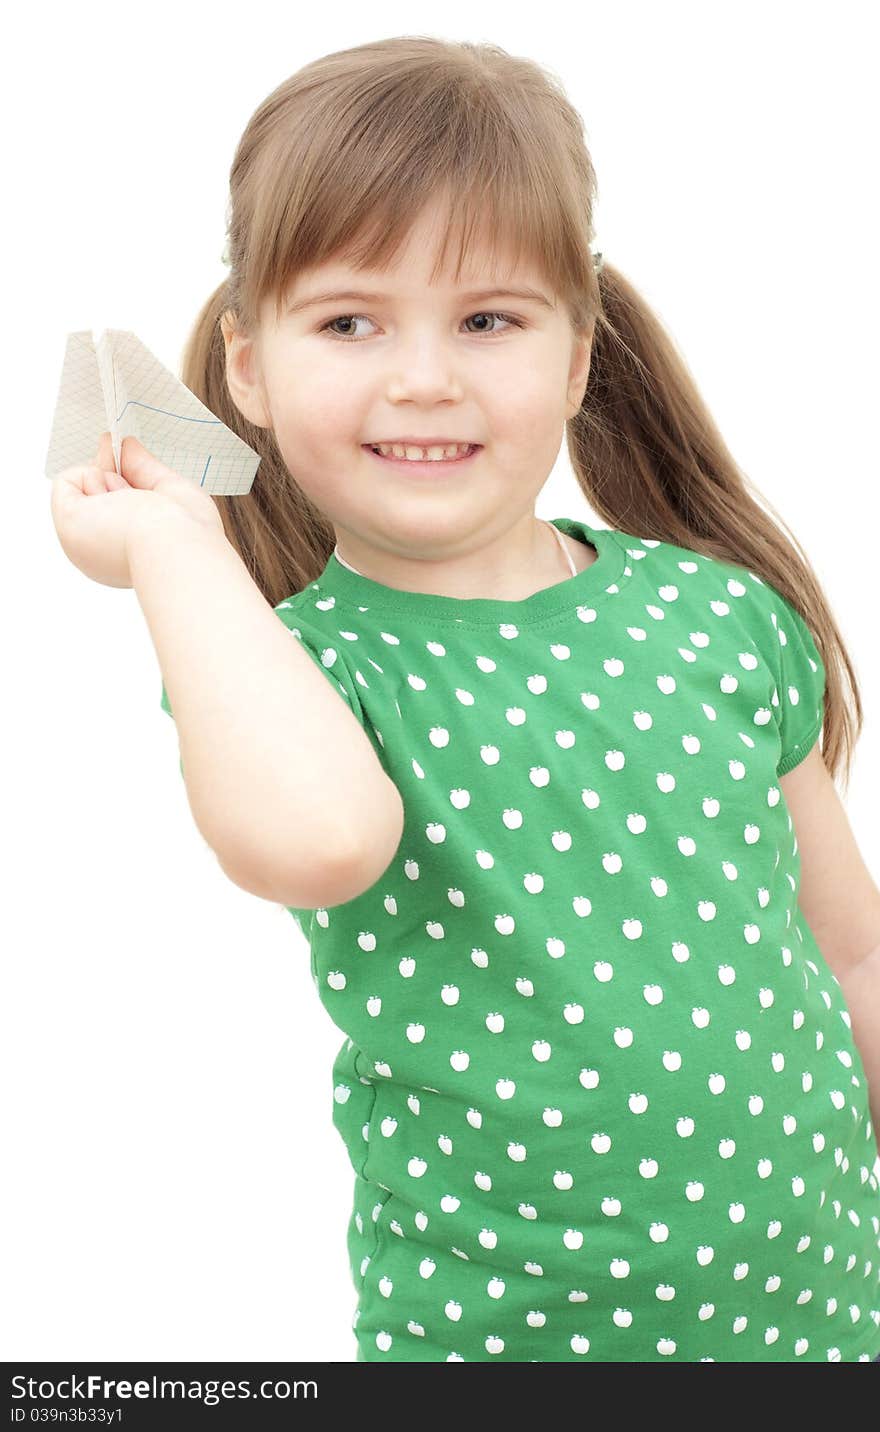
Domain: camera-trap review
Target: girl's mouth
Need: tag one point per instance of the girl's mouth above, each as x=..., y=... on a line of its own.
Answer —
x=438, y=468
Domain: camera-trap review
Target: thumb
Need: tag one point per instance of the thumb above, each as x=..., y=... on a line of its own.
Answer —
x=141, y=469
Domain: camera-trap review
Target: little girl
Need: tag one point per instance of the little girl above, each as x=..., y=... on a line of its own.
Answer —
x=529, y=789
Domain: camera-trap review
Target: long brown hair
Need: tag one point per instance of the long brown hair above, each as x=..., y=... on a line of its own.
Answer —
x=338, y=161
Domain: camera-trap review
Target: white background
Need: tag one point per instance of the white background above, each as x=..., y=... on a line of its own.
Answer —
x=174, y=1187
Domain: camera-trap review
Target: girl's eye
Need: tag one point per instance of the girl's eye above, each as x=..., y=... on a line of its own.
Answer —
x=352, y=317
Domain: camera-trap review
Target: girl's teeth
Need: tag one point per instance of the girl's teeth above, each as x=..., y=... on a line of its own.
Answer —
x=420, y=454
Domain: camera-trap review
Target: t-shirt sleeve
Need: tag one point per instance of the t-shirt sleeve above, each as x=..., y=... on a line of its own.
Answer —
x=800, y=683
x=328, y=657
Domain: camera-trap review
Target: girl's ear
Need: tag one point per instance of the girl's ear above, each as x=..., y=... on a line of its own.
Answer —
x=579, y=372
x=242, y=375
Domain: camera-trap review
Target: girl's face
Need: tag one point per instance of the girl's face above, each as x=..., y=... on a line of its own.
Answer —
x=335, y=375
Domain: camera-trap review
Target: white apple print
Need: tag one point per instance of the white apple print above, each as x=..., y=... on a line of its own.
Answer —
x=505, y=1088
x=494, y=1343
x=495, y=1287
x=483, y=1181
x=600, y=1143
x=573, y=1238
x=541, y=1050
x=449, y=994
x=416, y=1167
x=579, y=1343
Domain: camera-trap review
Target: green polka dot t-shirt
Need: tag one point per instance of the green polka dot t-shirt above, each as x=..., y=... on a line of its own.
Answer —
x=598, y=1086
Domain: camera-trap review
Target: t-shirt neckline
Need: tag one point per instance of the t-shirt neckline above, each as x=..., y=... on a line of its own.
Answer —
x=589, y=586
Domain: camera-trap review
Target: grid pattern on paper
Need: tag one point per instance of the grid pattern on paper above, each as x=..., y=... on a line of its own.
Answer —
x=153, y=406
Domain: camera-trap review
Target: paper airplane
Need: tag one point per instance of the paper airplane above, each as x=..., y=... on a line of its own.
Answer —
x=115, y=384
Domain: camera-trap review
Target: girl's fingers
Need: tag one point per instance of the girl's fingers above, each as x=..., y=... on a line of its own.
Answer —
x=92, y=482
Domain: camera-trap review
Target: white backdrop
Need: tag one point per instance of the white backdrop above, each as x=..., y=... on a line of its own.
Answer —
x=175, y=1188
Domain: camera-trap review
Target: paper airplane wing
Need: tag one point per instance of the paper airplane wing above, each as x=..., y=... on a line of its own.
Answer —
x=118, y=385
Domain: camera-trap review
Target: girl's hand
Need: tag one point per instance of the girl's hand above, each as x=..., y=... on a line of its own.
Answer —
x=96, y=510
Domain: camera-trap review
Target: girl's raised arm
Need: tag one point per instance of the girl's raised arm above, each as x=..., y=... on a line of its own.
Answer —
x=282, y=780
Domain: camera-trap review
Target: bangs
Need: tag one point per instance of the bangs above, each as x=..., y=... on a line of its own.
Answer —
x=490, y=160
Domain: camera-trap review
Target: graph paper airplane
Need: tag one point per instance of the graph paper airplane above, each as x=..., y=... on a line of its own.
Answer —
x=115, y=384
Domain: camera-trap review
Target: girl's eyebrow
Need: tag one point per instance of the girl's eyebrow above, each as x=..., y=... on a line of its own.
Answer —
x=530, y=294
